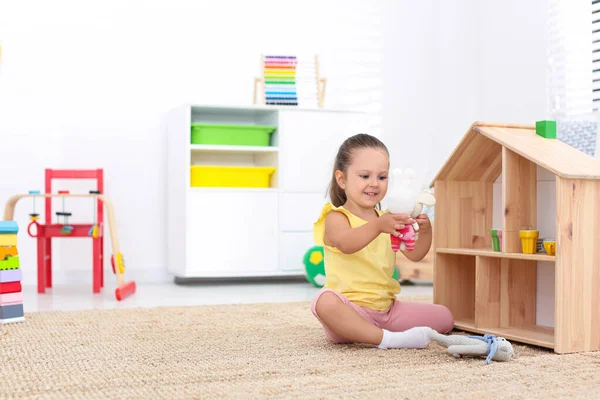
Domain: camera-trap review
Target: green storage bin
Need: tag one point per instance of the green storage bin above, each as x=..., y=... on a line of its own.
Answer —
x=234, y=135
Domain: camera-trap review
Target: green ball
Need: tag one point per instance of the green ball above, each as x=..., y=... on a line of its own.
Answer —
x=314, y=266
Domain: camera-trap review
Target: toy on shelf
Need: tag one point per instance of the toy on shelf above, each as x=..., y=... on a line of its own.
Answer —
x=290, y=80
x=48, y=230
x=11, y=294
x=402, y=199
x=549, y=246
x=546, y=129
x=496, y=239
x=529, y=239
x=492, y=347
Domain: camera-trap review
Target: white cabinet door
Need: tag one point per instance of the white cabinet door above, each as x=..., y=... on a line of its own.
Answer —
x=232, y=233
x=294, y=246
x=298, y=211
x=309, y=143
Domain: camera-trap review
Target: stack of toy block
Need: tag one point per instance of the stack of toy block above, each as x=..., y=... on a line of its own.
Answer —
x=11, y=295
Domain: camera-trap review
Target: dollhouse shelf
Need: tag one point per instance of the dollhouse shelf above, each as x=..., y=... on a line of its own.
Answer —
x=492, y=253
x=497, y=292
x=537, y=335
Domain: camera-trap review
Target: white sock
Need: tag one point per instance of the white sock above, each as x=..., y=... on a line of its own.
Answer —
x=414, y=338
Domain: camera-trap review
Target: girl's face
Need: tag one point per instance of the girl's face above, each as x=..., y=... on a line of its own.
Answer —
x=366, y=180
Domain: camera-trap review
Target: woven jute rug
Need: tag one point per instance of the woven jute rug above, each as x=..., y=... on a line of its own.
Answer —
x=255, y=351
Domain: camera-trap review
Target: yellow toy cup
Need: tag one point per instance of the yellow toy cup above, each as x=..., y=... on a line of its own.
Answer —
x=550, y=247
x=529, y=241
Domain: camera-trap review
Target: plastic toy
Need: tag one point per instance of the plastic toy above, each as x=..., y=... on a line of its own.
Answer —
x=65, y=228
x=284, y=76
x=94, y=230
x=496, y=239
x=314, y=266
x=11, y=295
x=528, y=240
x=550, y=246
x=48, y=230
x=546, y=129
x=493, y=347
x=33, y=217
x=403, y=199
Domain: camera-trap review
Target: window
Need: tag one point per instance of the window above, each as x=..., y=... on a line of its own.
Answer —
x=573, y=58
x=596, y=52
x=574, y=72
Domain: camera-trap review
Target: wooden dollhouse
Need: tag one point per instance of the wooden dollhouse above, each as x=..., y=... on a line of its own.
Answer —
x=496, y=292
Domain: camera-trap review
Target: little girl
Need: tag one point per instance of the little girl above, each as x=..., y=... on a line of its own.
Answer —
x=358, y=302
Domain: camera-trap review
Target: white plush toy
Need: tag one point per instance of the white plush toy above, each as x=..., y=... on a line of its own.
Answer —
x=403, y=199
x=489, y=346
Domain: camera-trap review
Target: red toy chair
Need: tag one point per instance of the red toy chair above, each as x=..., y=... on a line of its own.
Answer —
x=49, y=230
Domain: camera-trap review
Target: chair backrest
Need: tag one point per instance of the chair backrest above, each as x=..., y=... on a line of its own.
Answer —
x=97, y=174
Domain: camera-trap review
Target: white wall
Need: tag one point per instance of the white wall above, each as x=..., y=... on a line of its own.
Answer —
x=511, y=60
x=411, y=77
x=87, y=85
x=451, y=63
x=458, y=70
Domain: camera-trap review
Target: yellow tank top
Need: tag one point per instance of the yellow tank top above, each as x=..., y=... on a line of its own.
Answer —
x=364, y=277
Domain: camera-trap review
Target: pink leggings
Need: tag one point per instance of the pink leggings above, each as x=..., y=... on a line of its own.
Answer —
x=400, y=317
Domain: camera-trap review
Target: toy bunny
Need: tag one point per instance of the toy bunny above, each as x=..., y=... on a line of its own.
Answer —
x=402, y=199
x=495, y=348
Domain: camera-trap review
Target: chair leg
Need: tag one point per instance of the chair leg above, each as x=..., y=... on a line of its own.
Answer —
x=102, y=261
x=41, y=257
x=96, y=265
x=48, y=261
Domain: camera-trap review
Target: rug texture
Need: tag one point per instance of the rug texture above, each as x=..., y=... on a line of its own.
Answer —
x=252, y=352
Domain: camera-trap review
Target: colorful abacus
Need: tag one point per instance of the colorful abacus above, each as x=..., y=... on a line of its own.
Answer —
x=290, y=81
x=280, y=80
x=11, y=295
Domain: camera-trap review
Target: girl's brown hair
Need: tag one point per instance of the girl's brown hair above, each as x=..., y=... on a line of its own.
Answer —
x=343, y=159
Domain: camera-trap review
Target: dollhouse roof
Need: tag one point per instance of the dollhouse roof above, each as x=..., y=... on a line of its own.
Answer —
x=478, y=156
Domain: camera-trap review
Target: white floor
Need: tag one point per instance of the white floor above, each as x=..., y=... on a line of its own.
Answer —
x=80, y=297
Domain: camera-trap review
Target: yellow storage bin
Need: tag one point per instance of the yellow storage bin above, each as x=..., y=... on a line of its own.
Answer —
x=230, y=176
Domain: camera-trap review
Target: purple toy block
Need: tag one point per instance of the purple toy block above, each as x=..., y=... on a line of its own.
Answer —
x=11, y=275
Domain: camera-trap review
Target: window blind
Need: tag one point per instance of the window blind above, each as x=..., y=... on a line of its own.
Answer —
x=596, y=53
x=356, y=78
x=573, y=58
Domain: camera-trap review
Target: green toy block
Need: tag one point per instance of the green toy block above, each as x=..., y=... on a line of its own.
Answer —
x=10, y=263
x=546, y=129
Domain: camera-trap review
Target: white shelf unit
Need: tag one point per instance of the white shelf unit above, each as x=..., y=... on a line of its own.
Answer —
x=225, y=149
x=251, y=232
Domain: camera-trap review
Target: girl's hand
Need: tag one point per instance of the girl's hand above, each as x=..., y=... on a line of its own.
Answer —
x=392, y=223
x=424, y=223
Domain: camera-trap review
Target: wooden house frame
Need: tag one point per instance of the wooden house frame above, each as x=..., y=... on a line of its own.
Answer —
x=495, y=292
